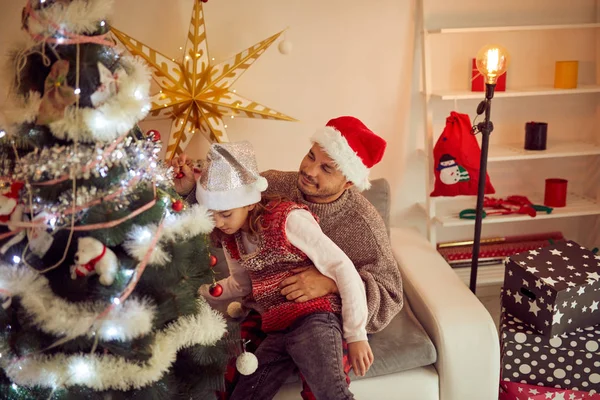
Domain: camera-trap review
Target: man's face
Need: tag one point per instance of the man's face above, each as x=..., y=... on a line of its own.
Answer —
x=319, y=179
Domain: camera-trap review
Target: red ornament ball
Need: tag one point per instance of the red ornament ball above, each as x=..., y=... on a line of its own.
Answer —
x=179, y=175
x=215, y=290
x=212, y=260
x=177, y=205
x=153, y=134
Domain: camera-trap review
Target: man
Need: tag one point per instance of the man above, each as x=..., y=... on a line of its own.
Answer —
x=330, y=177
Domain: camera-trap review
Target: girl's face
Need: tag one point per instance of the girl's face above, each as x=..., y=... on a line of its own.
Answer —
x=231, y=221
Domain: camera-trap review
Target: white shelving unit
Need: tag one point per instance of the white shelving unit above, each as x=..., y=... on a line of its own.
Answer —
x=442, y=213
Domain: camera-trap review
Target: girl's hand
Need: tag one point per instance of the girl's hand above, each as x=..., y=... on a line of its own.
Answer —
x=361, y=357
x=184, y=174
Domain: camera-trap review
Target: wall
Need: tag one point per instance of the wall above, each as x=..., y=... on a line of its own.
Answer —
x=349, y=57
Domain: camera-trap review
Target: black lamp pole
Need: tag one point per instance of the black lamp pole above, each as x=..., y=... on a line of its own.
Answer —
x=485, y=128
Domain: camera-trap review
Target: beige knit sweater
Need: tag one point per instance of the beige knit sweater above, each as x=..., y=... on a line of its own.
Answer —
x=357, y=228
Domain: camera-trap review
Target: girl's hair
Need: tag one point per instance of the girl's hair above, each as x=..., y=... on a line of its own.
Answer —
x=266, y=205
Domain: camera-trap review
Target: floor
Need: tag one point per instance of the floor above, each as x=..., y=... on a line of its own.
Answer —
x=490, y=298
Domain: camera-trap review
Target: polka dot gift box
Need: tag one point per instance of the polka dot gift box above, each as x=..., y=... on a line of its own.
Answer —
x=553, y=289
x=567, y=361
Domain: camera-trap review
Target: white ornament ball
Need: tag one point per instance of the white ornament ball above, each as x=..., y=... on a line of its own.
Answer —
x=246, y=363
x=285, y=47
x=235, y=309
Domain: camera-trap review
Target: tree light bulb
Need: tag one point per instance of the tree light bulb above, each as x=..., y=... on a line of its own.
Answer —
x=14, y=385
x=2, y=133
x=492, y=61
x=16, y=259
x=116, y=300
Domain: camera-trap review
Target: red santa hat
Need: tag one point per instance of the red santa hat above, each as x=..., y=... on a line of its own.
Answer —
x=353, y=147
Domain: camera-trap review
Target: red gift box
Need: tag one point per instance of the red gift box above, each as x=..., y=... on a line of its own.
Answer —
x=518, y=391
x=477, y=80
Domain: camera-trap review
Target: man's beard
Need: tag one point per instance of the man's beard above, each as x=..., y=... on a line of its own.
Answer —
x=314, y=190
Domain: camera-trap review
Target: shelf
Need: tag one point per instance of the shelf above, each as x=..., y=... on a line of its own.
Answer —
x=576, y=206
x=492, y=274
x=514, y=152
x=523, y=92
x=513, y=28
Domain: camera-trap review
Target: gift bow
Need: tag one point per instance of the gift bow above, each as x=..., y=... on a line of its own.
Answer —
x=58, y=95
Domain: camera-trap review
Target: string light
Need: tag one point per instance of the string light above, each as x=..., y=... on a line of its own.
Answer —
x=2, y=133
x=77, y=91
x=80, y=370
x=128, y=273
x=16, y=259
x=102, y=23
x=116, y=300
x=14, y=385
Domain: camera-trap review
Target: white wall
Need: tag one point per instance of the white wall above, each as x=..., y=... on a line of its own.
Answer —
x=352, y=57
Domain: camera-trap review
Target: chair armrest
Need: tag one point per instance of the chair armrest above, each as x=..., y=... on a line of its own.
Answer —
x=463, y=332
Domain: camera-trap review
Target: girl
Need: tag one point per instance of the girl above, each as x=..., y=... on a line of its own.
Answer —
x=264, y=239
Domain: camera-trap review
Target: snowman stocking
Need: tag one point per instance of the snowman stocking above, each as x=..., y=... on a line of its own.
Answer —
x=457, y=155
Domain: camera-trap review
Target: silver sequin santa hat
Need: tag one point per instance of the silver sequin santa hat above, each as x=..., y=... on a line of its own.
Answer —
x=230, y=177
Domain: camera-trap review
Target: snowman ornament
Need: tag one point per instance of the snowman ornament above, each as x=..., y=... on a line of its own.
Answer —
x=450, y=171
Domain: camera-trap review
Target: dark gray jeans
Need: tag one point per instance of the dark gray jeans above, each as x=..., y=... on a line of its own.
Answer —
x=314, y=345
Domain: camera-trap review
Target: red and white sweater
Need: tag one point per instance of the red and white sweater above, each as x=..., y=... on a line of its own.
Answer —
x=292, y=239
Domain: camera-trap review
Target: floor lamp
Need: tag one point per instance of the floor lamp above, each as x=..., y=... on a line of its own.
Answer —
x=492, y=61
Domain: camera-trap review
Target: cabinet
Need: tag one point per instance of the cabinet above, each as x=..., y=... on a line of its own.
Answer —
x=573, y=115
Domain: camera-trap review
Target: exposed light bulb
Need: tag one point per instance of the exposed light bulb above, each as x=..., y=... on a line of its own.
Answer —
x=77, y=91
x=116, y=300
x=14, y=385
x=128, y=273
x=102, y=23
x=492, y=61
x=225, y=126
x=2, y=133
x=16, y=259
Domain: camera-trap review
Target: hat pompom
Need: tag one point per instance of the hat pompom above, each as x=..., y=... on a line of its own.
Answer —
x=235, y=310
x=261, y=184
x=246, y=363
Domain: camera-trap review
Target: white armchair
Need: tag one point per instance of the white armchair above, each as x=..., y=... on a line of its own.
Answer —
x=467, y=362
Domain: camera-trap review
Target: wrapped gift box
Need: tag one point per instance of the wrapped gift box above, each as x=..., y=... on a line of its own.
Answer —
x=567, y=361
x=554, y=289
x=477, y=84
x=521, y=391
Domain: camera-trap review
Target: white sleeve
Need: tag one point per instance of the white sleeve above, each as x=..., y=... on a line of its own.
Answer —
x=304, y=232
x=237, y=284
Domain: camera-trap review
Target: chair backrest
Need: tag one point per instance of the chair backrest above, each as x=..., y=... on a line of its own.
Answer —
x=379, y=196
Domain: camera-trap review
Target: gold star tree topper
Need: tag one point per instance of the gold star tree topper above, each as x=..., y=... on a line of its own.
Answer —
x=195, y=94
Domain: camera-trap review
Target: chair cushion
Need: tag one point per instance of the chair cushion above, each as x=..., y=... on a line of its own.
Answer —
x=379, y=196
x=401, y=346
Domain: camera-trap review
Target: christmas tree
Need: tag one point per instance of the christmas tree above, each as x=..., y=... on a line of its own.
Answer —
x=100, y=260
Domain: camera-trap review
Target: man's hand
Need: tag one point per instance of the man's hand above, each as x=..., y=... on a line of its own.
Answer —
x=360, y=356
x=185, y=183
x=307, y=284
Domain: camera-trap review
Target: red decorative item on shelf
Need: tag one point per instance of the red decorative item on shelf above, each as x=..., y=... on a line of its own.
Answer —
x=153, y=134
x=212, y=260
x=215, y=290
x=477, y=83
x=456, y=159
x=177, y=205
